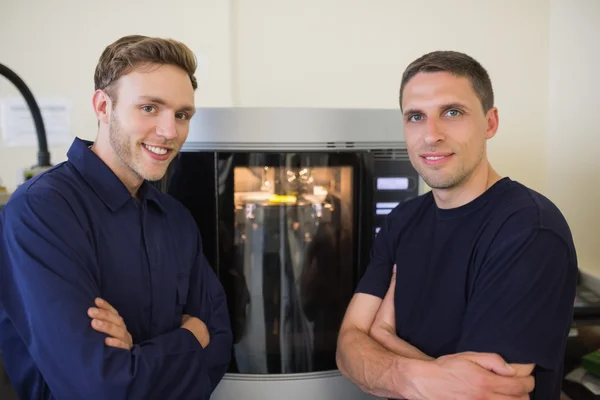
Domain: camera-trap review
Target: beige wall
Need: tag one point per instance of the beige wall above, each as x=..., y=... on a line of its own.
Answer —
x=285, y=53
x=328, y=53
x=54, y=46
x=573, y=135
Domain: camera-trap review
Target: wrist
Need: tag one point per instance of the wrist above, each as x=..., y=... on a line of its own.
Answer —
x=189, y=340
x=199, y=329
x=412, y=374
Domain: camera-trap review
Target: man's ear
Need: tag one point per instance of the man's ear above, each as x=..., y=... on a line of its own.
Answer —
x=492, y=123
x=102, y=104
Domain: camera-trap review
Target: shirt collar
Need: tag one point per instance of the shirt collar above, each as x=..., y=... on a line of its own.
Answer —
x=103, y=180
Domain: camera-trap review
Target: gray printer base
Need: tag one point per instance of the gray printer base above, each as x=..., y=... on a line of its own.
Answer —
x=330, y=385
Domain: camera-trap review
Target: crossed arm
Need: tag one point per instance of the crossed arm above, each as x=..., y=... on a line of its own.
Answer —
x=52, y=275
x=374, y=358
x=106, y=319
x=204, y=290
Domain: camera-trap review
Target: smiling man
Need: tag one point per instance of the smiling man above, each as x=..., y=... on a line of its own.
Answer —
x=106, y=293
x=480, y=272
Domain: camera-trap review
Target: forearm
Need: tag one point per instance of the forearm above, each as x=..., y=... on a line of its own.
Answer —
x=373, y=368
x=176, y=356
x=393, y=343
x=179, y=357
x=218, y=356
x=218, y=352
x=214, y=313
x=149, y=369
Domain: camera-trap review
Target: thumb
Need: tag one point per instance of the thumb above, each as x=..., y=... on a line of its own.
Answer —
x=394, y=270
x=492, y=362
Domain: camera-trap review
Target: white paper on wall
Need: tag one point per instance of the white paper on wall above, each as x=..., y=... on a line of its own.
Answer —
x=18, y=129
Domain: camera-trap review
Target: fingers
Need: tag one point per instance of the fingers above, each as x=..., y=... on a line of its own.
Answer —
x=103, y=304
x=199, y=329
x=106, y=319
x=523, y=369
x=117, y=343
x=118, y=336
x=111, y=323
x=110, y=329
x=106, y=315
x=491, y=362
x=512, y=386
x=504, y=381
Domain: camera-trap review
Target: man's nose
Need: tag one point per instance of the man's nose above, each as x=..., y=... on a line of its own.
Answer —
x=167, y=127
x=434, y=132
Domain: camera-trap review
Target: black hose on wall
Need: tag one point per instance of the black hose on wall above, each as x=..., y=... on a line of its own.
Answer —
x=43, y=153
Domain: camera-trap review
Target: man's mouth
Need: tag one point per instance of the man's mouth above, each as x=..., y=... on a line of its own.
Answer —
x=156, y=150
x=158, y=153
x=436, y=158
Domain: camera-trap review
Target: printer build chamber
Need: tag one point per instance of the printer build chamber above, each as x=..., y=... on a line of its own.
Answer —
x=290, y=236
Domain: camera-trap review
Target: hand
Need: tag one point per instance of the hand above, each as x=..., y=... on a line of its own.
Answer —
x=471, y=376
x=197, y=327
x=106, y=319
x=496, y=364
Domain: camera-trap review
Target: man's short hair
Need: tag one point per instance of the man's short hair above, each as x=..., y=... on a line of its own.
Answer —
x=129, y=52
x=458, y=64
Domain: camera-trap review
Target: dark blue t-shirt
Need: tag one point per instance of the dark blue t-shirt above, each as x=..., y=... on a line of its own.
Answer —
x=496, y=275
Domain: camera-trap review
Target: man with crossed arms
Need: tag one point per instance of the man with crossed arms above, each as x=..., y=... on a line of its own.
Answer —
x=481, y=300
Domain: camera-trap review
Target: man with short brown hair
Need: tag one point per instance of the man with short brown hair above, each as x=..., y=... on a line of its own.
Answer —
x=479, y=303
x=106, y=293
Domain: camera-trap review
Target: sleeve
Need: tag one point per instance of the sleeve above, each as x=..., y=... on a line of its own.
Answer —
x=207, y=301
x=522, y=302
x=50, y=280
x=378, y=274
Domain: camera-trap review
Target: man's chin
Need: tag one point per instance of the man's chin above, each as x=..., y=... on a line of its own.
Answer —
x=150, y=171
x=152, y=176
x=440, y=182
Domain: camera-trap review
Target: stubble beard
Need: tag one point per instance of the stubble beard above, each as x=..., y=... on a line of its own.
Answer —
x=121, y=147
x=439, y=180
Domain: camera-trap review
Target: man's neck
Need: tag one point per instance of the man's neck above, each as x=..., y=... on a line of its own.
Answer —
x=105, y=152
x=468, y=190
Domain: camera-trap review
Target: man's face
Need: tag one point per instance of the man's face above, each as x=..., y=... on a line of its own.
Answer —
x=445, y=128
x=150, y=121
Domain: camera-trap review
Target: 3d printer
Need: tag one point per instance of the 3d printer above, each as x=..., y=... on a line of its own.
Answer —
x=288, y=201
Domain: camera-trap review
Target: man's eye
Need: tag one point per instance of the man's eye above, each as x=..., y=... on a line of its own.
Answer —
x=181, y=116
x=453, y=113
x=148, y=108
x=415, y=118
